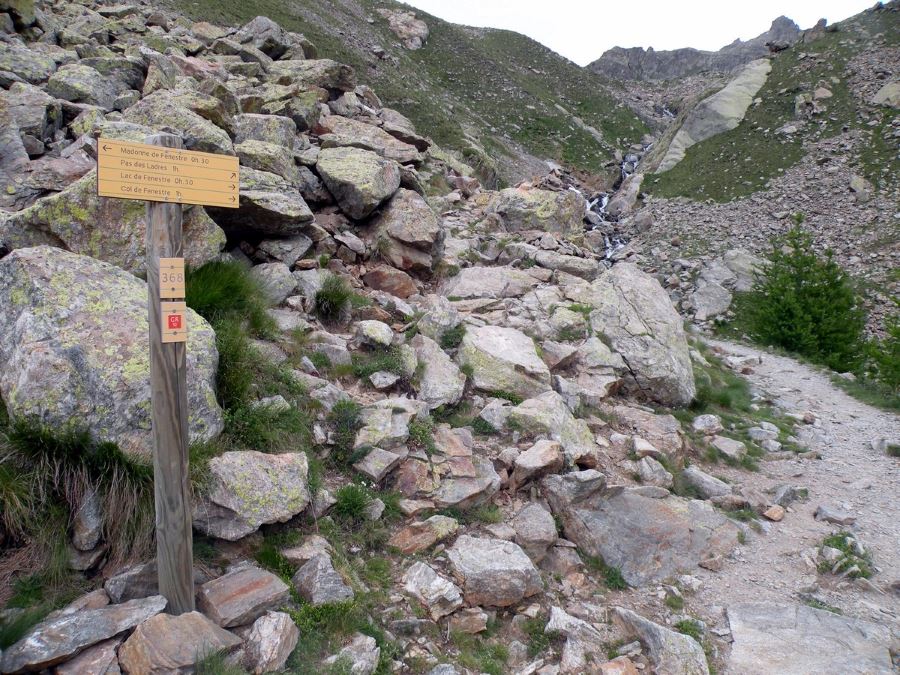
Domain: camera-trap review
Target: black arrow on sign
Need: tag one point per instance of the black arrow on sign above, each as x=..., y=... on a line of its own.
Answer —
x=106, y=147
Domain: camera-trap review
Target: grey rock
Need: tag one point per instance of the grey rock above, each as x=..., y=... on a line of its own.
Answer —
x=59, y=639
x=834, y=514
x=87, y=524
x=786, y=638
x=270, y=642
x=729, y=447
x=503, y=359
x=360, y=657
x=439, y=595
x=318, y=582
x=621, y=526
x=535, y=530
x=669, y=652
x=360, y=180
x=635, y=316
x=706, y=486
x=493, y=572
x=441, y=381
x=276, y=281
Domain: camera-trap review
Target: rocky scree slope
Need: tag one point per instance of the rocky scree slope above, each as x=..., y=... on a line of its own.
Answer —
x=819, y=137
x=507, y=448
x=504, y=101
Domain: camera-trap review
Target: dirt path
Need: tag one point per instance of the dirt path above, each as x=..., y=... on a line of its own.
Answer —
x=850, y=474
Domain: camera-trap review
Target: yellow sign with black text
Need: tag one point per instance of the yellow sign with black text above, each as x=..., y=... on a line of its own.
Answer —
x=154, y=173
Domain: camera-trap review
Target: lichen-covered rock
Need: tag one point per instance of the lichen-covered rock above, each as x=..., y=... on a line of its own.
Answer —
x=636, y=318
x=535, y=209
x=493, y=572
x=272, y=129
x=78, y=83
x=319, y=583
x=338, y=132
x=503, y=360
x=268, y=204
x=247, y=489
x=310, y=73
x=412, y=31
x=112, y=230
x=270, y=158
x=163, y=111
x=73, y=349
x=31, y=66
x=174, y=644
x=360, y=180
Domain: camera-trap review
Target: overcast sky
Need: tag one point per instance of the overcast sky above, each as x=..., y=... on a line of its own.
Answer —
x=583, y=29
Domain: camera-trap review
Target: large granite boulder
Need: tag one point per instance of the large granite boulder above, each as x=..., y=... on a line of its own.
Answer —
x=503, y=360
x=787, y=638
x=359, y=180
x=247, y=489
x=545, y=210
x=73, y=349
x=338, y=132
x=113, y=230
x=31, y=66
x=647, y=539
x=493, y=572
x=309, y=73
x=636, y=318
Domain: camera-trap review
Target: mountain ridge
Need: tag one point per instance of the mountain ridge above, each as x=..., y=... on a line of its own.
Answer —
x=637, y=63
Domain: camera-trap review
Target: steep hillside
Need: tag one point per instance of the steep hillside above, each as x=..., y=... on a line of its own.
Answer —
x=500, y=98
x=846, y=66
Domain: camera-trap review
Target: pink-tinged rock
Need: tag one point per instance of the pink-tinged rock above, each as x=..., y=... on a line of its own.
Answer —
x=173, y=644
x=242, y=596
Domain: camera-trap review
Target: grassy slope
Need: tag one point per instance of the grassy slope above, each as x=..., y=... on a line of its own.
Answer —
x=489, y=85
x=741, y=161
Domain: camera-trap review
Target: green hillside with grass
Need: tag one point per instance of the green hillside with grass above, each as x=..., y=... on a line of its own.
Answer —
x=742, y=161
x=494, y=96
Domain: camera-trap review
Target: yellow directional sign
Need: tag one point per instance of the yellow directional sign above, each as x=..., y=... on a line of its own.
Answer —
x=153, y=173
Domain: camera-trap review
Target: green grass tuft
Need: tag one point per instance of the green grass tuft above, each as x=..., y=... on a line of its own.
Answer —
x=352, y=502
x=333, y=300
x=452, y=338
x=691, y=628
x=612, y=576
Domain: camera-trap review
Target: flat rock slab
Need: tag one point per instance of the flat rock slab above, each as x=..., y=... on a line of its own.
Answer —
x=647, y=539
x=319, y=583
x=242, y=596
x=799, y=640
x=59, y=639
x=174, y=644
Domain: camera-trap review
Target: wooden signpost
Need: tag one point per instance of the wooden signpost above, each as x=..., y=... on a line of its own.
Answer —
x=165, y=176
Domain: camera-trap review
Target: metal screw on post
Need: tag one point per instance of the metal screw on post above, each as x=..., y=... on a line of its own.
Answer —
x=169, y=413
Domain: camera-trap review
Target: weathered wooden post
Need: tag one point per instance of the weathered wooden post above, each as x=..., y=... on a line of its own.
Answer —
x=165, y=176
x=168, y=404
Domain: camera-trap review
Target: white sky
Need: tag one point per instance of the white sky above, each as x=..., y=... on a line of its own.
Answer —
x=583, y=29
